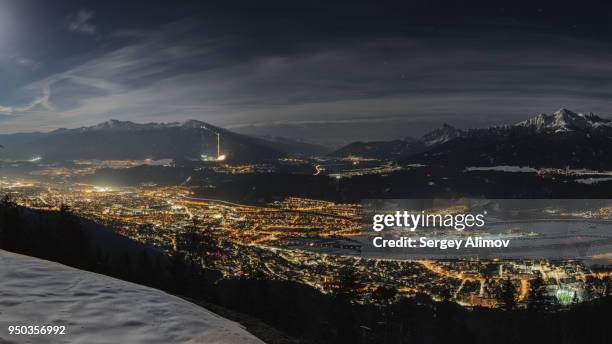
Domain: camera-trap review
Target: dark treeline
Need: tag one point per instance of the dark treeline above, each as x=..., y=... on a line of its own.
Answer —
x=298, y=310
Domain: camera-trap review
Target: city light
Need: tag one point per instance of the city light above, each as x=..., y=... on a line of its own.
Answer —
x=298, y=239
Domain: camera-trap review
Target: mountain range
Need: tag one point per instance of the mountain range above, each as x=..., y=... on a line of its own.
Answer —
x=127, y=140
x=383, y=150
x=562, y=139
x=398, y=149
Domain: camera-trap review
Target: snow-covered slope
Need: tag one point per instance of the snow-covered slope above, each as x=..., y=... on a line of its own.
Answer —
x=563, y=121
x=441, y=135
x=100, y=309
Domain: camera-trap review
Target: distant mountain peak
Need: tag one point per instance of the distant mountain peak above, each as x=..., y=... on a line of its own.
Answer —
x=564, y=120
x=440, y=135
x=112, y=124
x=117, y=125
x=565, y=112
x=194, y=123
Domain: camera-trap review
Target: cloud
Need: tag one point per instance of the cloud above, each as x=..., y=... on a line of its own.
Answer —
x=26, y=62
x=172, y=74
x=81, y=22
x=41, y=102
x=19, y=60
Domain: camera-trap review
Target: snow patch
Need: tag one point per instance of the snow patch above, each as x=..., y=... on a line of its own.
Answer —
x=100, y=309
x=503, y=168
x=590, y=181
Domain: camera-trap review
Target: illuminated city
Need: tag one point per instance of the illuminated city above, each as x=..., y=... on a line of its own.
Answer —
x=305, y=172
x=302, y=240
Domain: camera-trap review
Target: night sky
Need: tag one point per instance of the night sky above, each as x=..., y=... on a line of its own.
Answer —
x=322, y=71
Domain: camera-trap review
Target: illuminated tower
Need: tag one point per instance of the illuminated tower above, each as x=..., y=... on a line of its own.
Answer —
x=220, y=157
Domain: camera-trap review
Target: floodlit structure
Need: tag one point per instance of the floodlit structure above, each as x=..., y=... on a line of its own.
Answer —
x=220, y=157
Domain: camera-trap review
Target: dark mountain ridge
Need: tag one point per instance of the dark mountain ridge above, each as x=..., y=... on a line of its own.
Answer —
x=562, y=139
x=127, y=140
x=398, y=149
x=383, y=150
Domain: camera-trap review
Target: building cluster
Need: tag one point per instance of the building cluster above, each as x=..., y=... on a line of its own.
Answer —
x=293, y=239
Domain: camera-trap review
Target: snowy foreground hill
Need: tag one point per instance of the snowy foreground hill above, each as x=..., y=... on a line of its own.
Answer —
x=100, y=309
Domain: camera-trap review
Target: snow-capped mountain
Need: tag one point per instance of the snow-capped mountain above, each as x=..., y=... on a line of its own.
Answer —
x=440, y=135
x=562, y=139
x=100, y=309
x=563, y=121
x=117, y=125
x=114, y=124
